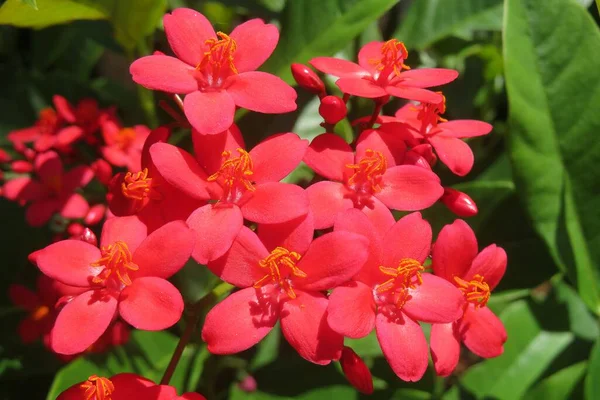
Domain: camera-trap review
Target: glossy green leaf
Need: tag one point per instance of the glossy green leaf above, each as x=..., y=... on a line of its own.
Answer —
x=552, y=54
x=592, y=383
x=560, y=385
x=428, y=21
x=48, y=12
x=134, y=20
x=581, y=322
x=31, y=3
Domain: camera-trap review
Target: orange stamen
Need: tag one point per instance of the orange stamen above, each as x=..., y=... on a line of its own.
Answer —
x=138, y=186
x=219, y=54
x=429, y=114
x=476, y=291
x=407, y=275
x=47, y=121
x=369, y=171
x=280, y=257
x=115, y=258
x=235, y=171
x=98, y=388
x=125, y=137
x=393, y=54
x=40, y=312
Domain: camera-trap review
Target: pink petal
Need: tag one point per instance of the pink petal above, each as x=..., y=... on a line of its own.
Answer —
x=392, y=146
x=40, y=212
x=49, y=167
x=352, y=310
x=368, y=56
x=181, y=170
x=115, y=156
x=64, y=108
x=407, y=112
x=214, y=229
x=338, y=67
x=75, y=206
x=209, y=148
x=164, y=251
x=410, y=188
x=464, y=128
x=68, y=135
x=68, y=261
x=489, y=263
x=187, y=31
x=77, y=177
x=23, y=297
x=255, y=42
x=328, y=155
x=24, y=135
x=274, y=202
x=130, y=230
x=327, y=199
x=483, y=332
x=23, y=189
x=445, y=348
x=455, y=153
x=332, y=259
x=360, y=87
x=129, y=386
x=410, y=237
x=295, y=235
x=435, y=301
x=404, y=346
x=261, y=92
x=44, y=143
x=380, y=216
x=239, y=266
x=454, y=250
x=151, y=304
x=240, y=321
x=93, y=310
x=164, y=73
x=275, y=157
x=209, y=112
x=428, y=77
x=304, y=325
x=413, y=93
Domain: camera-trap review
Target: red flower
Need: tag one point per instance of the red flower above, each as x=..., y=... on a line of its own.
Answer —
x=216, y=71
x=85, y=116
x=455, y=259
x=379, y=73
x=392, y=293
x=123, y=146
x=244, y=184
x=282, y=273
x=53, y=192
x=126, y=277
x=370, y=179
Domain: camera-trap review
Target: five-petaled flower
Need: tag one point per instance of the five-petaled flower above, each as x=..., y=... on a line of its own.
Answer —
x=123, y=145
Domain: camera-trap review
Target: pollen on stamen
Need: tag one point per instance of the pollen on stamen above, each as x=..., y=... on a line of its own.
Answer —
x=280, y=257
x=234, y=171
x=368, y=171
x=476, y=291
x=429, y=113
x=97, y=388
x=138, y=186
x=393, y=54
x=116, y=258
x=406, y=276
x=220, y=53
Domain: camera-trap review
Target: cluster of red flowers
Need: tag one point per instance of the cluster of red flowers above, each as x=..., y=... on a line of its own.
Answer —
x=327, y=261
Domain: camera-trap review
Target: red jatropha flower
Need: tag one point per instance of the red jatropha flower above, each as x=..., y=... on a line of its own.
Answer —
x=85, y=116
x=370, y=179
x=423, y=123
x=216, y=71
x=126, y=277
x=392, y=293
x=53, y=192
x=282, y=273
x=455, y=259
x=125, y=386
x=379, y=73
x=123, y=146
x=244, y=184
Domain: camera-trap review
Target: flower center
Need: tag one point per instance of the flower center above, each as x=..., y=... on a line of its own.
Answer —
x=234, y=175
x=280, y=257
x=125, y=137
x=138, y=186
x=217, y=61
x=40, y=312
x=368, y=173
x=48, y=121
x=87, y=113
x=54, y=183
x=393, y=54
x=115, y=258
x=476, y=291
x=429, y=114
x=406, y=276
x=98, y=388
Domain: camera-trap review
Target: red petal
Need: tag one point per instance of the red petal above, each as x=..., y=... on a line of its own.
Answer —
x=240, y=321
x=274, y=202
x=352, y=310
x=68, y=135
x=164, y=251
x=208, y=148
x=23, y=189
x=392, y=146
x=463, y=128
x=410, y=237
x=455, y=153
x=414, y=93
x=295, y=235
x=151, y=304
x=369, y=52
x=428, y=77
x=68, y=261
x=261, y=92
x=454, y=250
x=360, y=87
x=435, y=301
x=327, y=199
x=23, y=297
x=332, y=259
x=380, y=216
x=410, y=188
x=328, y=155
x=64, y=108
x=130, y=230
x=187, y=31
x=404, y=346
x=76, y=206
x=164, y=73
x=94, y=310
x=77, y=177
x=129, y=386
x=304, y=325
x=275, y=157
x=214, y=229
x=49, y=167
x=40, y=212
x=255, y=42
x=489, y=263
x=445, y=348
x=24, y=135
x=115, y=156
x=209, y=112
x=483, y=332
x=338, y=67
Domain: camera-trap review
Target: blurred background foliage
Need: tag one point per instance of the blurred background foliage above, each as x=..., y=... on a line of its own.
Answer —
x=530, y=68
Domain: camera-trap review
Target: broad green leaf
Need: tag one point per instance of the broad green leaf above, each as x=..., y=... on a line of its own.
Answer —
x=592, y=383
x=428, y=21
x=48, y=12
x=552, y=54
x=559, y=385
x=134, y=20
x=581, y=322
x=31, y=3
x=312, y=28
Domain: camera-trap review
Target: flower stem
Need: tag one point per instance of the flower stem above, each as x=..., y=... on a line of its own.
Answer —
x=376, y=111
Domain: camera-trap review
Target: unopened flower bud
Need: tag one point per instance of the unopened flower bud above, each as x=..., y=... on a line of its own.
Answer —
x=248, y=384
x=307, y=79
x=75, y=229
x=102, y=170
x=29, y=154
x=4, y=156
x=426, y=151
x=356, y=371
x=332, y=109
x=459, y=203
x=88, y=236
x=21, y=166
x=95, y=214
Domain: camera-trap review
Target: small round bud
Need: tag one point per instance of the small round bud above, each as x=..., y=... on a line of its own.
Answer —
x=459, y=203
x=307, y=79
x=4, y=156
x=75, y=229
x=95, y=214
x=248, y=384
x=21, y=166
x=356, y=371
x=332, y=109
x=88, y=236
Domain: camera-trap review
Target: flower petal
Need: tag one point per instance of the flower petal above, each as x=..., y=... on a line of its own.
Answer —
x=69, y=261
x=75, y=206
x=261, y=92
x=77, y=177
x=295, y=235
x=68, y=135
x=445, y=348
x=23, y=297
x=209, y=148
x=187, y=31
x=326, y=200
x=23, y=189
x=464, y=128
x=164, y=73
x=489, y=263
x=367, y=54
x=410, y=237
x=209, y=112
x=428, y=77
x=361, y=87
x=351, y=310
x=275, y=157
x=328, y=155
x=255, y=42
x=414, y=93
x=483, y=332
x=456, y=154
x=274, y=202
x=49, y=167
x=338, y=67
x=435, y=301
x=129, y=229
x=454, y=250
x=410, y=188
x=392, y=146
x=40, y=212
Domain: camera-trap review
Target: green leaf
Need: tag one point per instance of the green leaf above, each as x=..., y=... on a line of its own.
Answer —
x=560, y=385
x=592, y=383
x=581, y=322
x=314, y=28
x=31, y=3
x=134, y=20
x=48, y=12
x=428, y=21
x=552, y=53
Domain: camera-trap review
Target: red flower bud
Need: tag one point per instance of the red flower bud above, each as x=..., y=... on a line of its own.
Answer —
x=95, y=214
x=356, y=371
x=21, y=166
x=88, y=236
x=332, y=109
x=307, y=79
x=102, y=170
x=4, y=156
x=459, y=203
x=75, y=229
x=248, y=384
x=29, y=154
